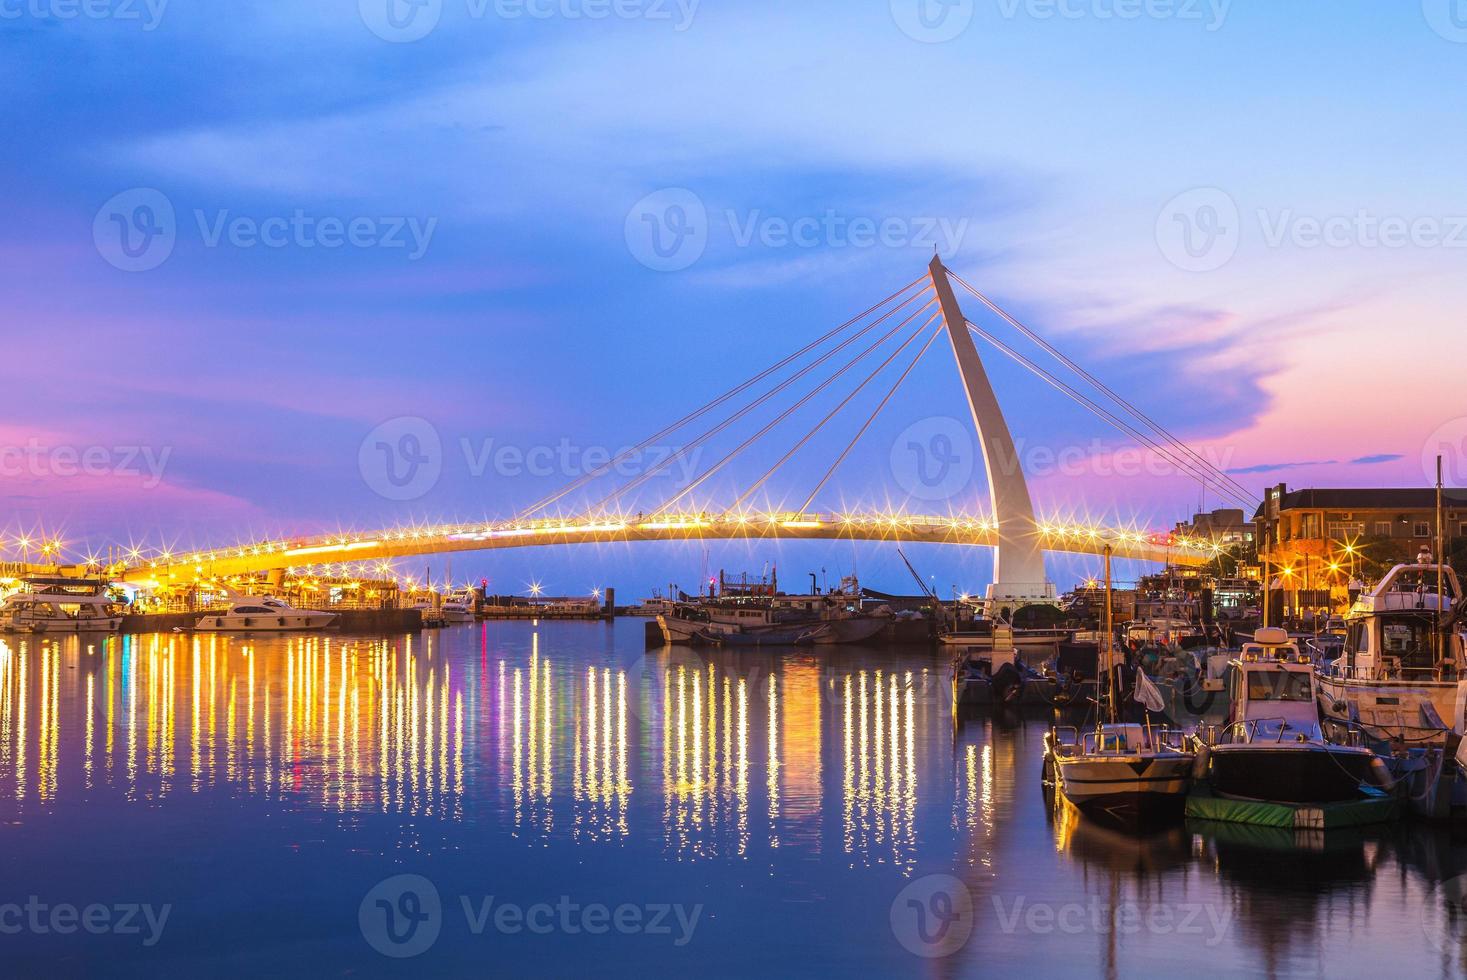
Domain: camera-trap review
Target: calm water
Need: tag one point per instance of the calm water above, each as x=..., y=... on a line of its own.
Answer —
x=566, y=804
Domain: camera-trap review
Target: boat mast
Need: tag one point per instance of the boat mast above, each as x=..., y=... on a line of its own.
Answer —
x=1110, y=669
x=1441, y=557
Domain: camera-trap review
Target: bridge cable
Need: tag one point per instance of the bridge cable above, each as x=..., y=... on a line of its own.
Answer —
x=1188, y=468
x=869, y=419
x=662, y=464
x=698, y=413
x=1110, y=393
x=835, y=411
x=793, y=408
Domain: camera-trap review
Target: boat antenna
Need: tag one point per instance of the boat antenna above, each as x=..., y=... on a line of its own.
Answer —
x=1441, y=556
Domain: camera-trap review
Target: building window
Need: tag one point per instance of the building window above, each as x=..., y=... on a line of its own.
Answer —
x=1382, y=529
x=1463, y=532
x=1343, y=530
x=1423, y=529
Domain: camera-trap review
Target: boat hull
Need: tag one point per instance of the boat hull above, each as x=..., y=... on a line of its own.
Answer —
x=103, y=625
x=1419, y=713
x=1296, y=773
x=290, y=622
x=1126, y=788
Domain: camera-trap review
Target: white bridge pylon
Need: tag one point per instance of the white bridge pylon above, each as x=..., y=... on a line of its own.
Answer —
x=1019, y=539
x=1018, y=561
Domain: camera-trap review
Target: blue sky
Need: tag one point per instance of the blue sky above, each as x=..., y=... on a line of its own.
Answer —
x=1049, y=151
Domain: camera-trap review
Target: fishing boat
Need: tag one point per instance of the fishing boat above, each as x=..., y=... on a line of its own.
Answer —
x=254, y=614
x=1121, y=772
x=61, y=605
x=758, y=614
x=1273, y=748
x=1397, y=674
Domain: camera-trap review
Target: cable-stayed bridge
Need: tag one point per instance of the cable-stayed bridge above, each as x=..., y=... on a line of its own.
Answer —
x=890, y=338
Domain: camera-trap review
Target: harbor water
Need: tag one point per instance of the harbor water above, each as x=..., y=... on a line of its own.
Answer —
x=554, y=799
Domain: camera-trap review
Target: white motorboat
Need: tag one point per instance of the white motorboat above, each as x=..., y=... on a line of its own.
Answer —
x=251, y=614
x=1274, y=748
x=1125, y=773
x=61, y=605
x=1398, y=674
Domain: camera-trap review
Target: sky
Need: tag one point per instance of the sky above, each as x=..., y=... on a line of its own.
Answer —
x=247, y=245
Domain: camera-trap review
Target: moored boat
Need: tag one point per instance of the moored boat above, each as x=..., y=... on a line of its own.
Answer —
x=250, y=614
x=61, y=605
x=1273, y=748
x=1401, y=664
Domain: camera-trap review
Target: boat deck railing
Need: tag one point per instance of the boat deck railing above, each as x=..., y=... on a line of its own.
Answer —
x=1091, y=742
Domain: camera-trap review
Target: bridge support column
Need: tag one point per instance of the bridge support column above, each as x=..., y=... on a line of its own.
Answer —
x=1018, y=565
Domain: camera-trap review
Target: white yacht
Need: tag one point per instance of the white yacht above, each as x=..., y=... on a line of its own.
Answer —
x=61, y=605
x=252, y=614
x=458, y=607
x=1397, y=676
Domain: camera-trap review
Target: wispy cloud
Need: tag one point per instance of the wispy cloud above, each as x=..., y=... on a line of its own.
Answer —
x=1376, y=459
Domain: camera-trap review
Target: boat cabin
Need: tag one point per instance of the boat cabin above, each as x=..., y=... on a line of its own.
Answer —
x=1393, y=631
x=1271, y=687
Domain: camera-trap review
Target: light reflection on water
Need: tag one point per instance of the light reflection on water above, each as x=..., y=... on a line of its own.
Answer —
x=793, y=794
